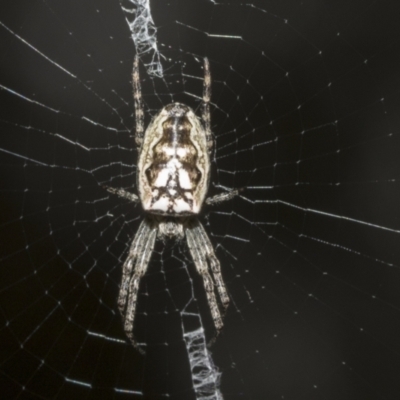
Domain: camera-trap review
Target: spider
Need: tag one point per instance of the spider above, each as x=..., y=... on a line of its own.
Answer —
x=173, y=174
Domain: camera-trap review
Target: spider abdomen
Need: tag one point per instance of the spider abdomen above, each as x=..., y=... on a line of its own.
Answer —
x=173, y=168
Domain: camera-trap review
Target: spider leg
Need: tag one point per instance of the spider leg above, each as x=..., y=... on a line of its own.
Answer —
x=221, y=197
x=137, y=96
x=122, y=193
x=205, y=115
x=208, y=250
x=201, y=250
x=133, y=269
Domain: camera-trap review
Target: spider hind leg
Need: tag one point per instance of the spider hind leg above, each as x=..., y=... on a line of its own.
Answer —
x=137, y=96
x=205, y=113
x=221, y=197
x=122, y=193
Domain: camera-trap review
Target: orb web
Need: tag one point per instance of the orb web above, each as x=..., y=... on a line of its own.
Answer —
x=304, y=113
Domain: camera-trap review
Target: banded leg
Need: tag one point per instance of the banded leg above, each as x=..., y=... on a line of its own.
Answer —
x=122, y=193
x=137, y=96
x=208, y=253
x=205, y=116
x=221, y=197
x=201, y=251
x=133, y=269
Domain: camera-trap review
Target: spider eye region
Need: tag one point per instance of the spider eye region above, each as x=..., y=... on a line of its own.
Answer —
x=174, y=180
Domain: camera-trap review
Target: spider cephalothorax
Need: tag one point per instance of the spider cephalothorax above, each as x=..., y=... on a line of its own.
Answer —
x=173, y=174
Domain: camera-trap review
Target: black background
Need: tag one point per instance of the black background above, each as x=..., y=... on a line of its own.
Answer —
x=306, y=115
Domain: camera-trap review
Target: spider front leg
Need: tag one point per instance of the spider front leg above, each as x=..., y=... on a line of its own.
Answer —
x=202, y=253
x=132, y=271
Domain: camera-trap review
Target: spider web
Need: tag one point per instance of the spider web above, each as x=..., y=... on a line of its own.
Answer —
x=305, y=104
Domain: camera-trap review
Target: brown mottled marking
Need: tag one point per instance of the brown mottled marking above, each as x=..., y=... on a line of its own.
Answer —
x=175, y=138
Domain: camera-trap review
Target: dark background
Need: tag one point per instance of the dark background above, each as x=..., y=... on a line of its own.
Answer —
x=306, y=116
